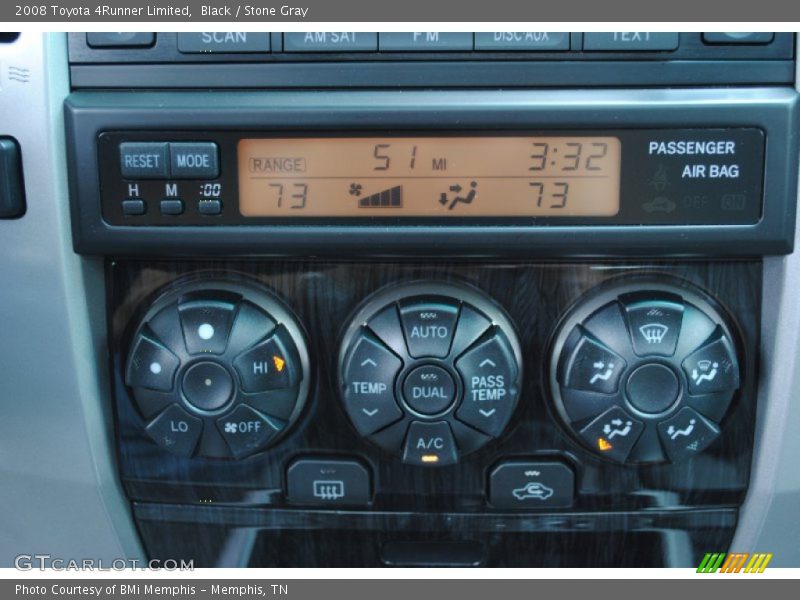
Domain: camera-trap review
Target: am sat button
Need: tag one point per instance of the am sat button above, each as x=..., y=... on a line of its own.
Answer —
x=369, y=374
x=430, y=445
x=525, y=485
x=713, y=367
x=246, y=430
x=176, y=430
x=428, y=326
x=272, y=364
x=151, y=365
x=325, y=482
x=654, y=325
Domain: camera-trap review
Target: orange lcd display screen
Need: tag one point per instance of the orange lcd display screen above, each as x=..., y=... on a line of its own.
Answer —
x=497, y=176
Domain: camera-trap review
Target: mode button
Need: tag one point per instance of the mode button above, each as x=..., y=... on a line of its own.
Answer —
x=194, y=160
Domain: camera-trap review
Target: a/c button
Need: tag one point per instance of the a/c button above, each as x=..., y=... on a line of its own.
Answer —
x=430, y=445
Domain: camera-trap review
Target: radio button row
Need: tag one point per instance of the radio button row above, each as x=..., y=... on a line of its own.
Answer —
x=369, y=377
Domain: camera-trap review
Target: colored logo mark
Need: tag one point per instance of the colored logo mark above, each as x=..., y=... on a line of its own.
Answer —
x=735, y=562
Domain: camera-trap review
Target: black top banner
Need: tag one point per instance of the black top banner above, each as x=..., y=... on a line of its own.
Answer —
x=448, y=11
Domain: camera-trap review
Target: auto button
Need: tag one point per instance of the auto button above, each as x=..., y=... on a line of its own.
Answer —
x=428, y=326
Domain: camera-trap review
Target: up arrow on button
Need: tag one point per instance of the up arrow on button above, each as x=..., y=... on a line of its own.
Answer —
x=487, y=361
x=370, y=362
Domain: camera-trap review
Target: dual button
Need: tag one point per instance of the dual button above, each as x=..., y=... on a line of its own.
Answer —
x=169, y=160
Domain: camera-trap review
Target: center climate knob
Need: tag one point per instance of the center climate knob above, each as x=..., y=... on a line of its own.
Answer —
x=429, y=390
x=430, y=371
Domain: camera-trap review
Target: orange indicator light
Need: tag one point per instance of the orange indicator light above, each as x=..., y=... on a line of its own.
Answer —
x=279, y=363
x=603, y=445
x=430, y=458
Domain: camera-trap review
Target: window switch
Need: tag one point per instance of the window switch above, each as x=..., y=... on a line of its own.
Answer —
x=12, y=190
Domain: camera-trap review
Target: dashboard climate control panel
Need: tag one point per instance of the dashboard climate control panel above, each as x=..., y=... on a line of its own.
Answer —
x=430, y=371
x=645, y=374
x=218, y=369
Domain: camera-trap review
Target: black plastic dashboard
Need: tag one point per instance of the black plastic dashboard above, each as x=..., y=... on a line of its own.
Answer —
x=550, y=391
